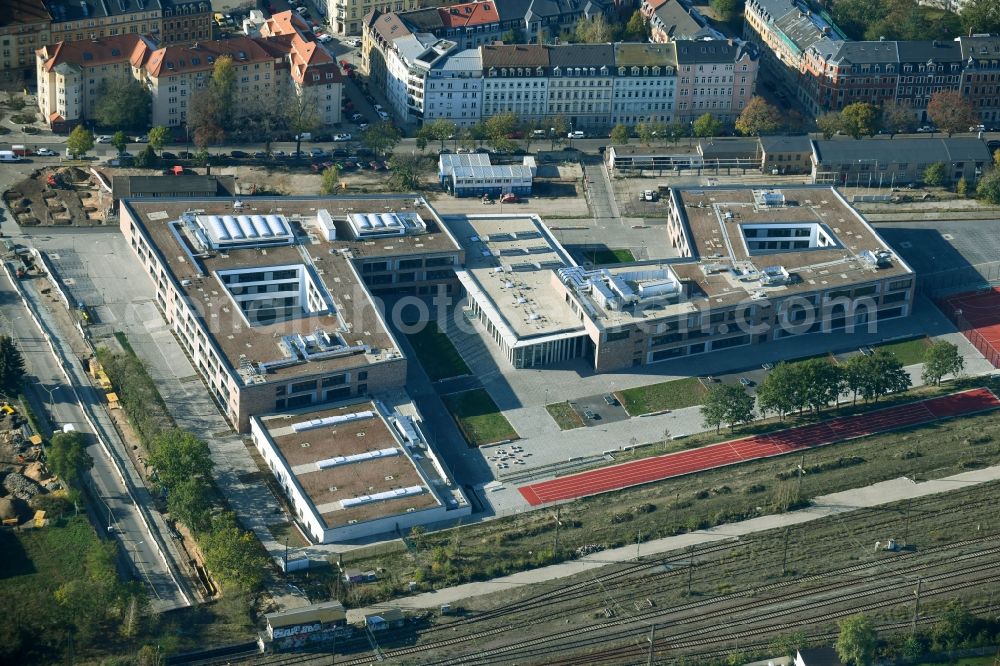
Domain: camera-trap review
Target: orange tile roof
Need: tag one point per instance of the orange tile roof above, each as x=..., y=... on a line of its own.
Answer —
x=286, y=23
x=307, y=57
x=90, y=53
x=201, y=56
x=20, y=12
x=656, y=4
x=469, y=14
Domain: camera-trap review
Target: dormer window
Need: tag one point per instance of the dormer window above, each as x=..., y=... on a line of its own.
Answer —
x=556, y=72
x=493, y=71
x=621, y=71
x=604, y=70
x=635, y=71
x=656, y=71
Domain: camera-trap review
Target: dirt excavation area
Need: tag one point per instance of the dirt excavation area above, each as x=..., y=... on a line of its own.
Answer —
x=24, y=480
x=58, y=197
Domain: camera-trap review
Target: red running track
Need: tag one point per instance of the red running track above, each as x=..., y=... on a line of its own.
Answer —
x=762, y=446
x=981, y=309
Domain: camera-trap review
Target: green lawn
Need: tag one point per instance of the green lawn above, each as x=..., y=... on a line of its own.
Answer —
x=437, y=355
x=968, y=661
x=908, y=352
x=564, y=415
x=478, y=417
x=600, y=257
x=666, y=395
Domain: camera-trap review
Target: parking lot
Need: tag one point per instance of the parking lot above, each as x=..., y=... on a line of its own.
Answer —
x=599, y=409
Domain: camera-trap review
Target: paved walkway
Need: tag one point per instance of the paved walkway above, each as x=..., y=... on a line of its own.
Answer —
x=874, y=495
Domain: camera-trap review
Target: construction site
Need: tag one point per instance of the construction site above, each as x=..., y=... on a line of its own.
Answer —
x=24, y=476
x=60, y=197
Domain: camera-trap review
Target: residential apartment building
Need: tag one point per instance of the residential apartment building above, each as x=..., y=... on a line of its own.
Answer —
x=70, y=75
x=671, y=20
x=580, y=84
x=645, y=83
x=24, y=27
x=783, y=30
x=453, y=89
x=714, y=76
x=185, y=22
x=981, y=76
x=824, y=71
x=348, y=16
x=408, y=62
x=516, y=78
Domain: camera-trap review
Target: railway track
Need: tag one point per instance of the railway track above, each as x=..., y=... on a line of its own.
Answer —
x=803, y=613
x=602, y=628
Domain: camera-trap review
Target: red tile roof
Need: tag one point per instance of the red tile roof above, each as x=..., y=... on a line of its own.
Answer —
x=469, y=14
x=19, y=12
x=201, y=56
x=90, y=53
x=285, y=23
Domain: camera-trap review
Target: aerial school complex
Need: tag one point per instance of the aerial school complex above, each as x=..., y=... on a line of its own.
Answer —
x=274, y=299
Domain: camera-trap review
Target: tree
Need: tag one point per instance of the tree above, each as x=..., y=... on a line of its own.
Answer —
x=730, y=404
x=223, y=85
x=178, y=455
x=498, y=130
x=158, y=137
x=951, y=112
x=935, y=174
x=558, y=129
x=190, y=502
x=204, y=119
x=780, y=391
x=513, y=36
x=437, y=130
x=67, y=457
x=80, y=140
x=859, y=119
x=758, y=118
x=955, y=625
x=706, y=125
x=123, y=104
x=646, y=132
x=302, y=115
x=988, y=187
x=828, y=124
x=330, y=180
x=962, y=187
x=725, y=10
x=146, y=158
x=885, y=375
x=897, y=118
x=619, y=135
x=405, y=173
x=11, y=366
x=821, y=383
x=233, y=555
x=856, y=375
x=593, y=31
x=941, y=358
x=856, y=641
x=981, y=16
x=636, y=30
x=119, y=141
x=381, y=137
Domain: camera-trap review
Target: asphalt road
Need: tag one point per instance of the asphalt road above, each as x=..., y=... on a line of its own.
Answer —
x=119, y=517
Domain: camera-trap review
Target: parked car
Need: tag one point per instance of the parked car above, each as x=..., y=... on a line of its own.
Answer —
x=383, y=115
x=317, y=152
x=45, y=152
x=344, y=136
x=141, y=139
x=362, y=126
x=377, y=107
x=279, y=153
x=324, y=38
x=576, y=134
x=168, y=156
x=103, y=138
x=650, y=195
x=185, y=155
x=746, y=382
x=339, y=152
x=611, y=400
x=509, y=197
x=259, y=155
x=357, y=117
x=238, y=154
x=354, y=41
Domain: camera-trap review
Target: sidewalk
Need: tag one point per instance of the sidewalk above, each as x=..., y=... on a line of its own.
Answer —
x=846, y=501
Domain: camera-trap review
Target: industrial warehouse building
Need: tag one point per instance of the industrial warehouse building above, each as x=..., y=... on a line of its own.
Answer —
x=473, y=175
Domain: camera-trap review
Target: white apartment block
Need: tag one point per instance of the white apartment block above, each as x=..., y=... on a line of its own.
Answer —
x=453, y=89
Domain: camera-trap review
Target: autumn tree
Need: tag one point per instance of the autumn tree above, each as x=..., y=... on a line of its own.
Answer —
x=935, y=174
x=759, y=118
x=119, y=141
x=439, y=130
x=707, y=125
x=988, y=187
x=619, y=135
x=951, y=112
x=499, y=130
x=857, y=640
x=178, y=455
x=593, y=31
x=860, y=119
x=725, y=10
x=636, y=29
x=158, y=137
x=898, y=119
x=211, y=113
x=80, y=141
x=330, y=180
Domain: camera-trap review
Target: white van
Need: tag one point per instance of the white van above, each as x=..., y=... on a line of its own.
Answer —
x=9, y=156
